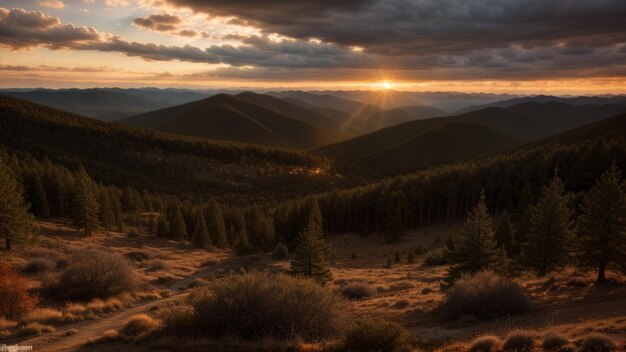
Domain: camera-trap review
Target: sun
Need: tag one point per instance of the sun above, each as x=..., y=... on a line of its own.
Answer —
x=386, y=85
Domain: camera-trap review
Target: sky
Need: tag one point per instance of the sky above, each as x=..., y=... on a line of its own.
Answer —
x=512, y=46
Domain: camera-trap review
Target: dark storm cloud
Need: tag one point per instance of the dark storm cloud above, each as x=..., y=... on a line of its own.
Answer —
x=159, y=22
x=416, y=27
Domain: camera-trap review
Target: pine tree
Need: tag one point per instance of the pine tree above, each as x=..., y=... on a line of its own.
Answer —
x=396, y=257
x=410, y=257
x=475, y=249
x=547, y=245
x=602, y=226
x=16, y=223
x=504, y=234
x=163, y=228
x=85, y=205
x=394, y=228
x=38, y=198
x=450, y=244
x=177, y=225
x=200, y=236
x=116, y=209
x=106, y=214
x=216, y=225
x=312, y=252
x=242, y=245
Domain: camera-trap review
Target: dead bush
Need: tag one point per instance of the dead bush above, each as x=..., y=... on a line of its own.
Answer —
x=38, y=265
x=15, y=300
x=96, y=274
x=43, y=315
x=436, y=257
x=519, y=341
x=484, y=295
x=261, y=305
x=358, y=290
x=34, y=329
x=157, y=265
x=376, y=334
x=139, y=325
x=553, y=341
x=597, y=343
x=485, y=343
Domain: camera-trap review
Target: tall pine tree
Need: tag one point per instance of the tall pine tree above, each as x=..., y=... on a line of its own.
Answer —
x=177, y=225
x=216, y=225
x=602, y=226
x=311, y=257
x=547, y=243
x=16, y=223
x=475, y=249
x=85, y=207
x=200, y=236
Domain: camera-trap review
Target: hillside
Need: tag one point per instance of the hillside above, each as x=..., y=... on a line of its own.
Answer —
x=121, y=155
x=235, y=118
x=520, y=123
x=105, y=104
x=391, y=117
x=582, y=100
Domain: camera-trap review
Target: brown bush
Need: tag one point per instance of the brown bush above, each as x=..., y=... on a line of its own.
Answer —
x=553, y=341
x=43, y=315
x=34, y=329
x=485, y=343
x=375, y=334
x=597, y=343
x=96, y=274
x=139, y=325
x=38, y=265
x=358, y=290
x=484, y=295
x=519, y=341
x=280, y=252
x=157, y=265
x=436, y=257
x=15, y=300
x=261, y=305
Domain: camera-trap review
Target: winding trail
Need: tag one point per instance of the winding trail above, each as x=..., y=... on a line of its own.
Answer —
x=92, y=329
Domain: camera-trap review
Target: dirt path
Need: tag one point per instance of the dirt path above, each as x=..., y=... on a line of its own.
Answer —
x=89, y=330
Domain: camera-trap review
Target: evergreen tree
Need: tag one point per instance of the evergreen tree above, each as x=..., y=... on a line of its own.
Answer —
x=242, y=245
x=215, y=224
x=410, y=257
x=312, y=252
x=37, y=197
x=396, y=257
x=177, y=225
x=394, y=228
x=152, y=225
x=163, y=228
x=200, y=236
x=602, y=226
x=261, y=230
x=504, y=234
x=525, y=199
x=450, y=244
x=116, y=209
x=85, y=207
x=16, y=223
x=475, y=249
x=547, y=245
x=106, y=213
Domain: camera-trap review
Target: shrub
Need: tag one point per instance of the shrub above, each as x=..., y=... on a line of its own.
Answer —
x=139, y=325
x=435, y=257
x=34, y=329
x=177, y=320
x=519, y=341
x=553, y=341
x=37, y=265
x=97, y=274
x=157, y=265
x=485, y=295
x=15, y=300
x=485, y=343
x=137, y=256
x=6, y=324
x=261, y=305
x=401, y=304
x=375, y=334
x=358, y=290
x=110, y=334
x=597, y=343
x=43, y=315
x=280, y=252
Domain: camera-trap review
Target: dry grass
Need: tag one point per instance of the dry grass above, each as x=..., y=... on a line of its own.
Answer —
x=7, y=324
x=519, y=341
x=485, y=343
x=34, y=329
x=597, y=343
x=43, y=315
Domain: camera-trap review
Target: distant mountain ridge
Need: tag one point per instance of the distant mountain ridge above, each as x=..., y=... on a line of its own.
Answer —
x=582, y=100
x=246, y=117
x=410, y=145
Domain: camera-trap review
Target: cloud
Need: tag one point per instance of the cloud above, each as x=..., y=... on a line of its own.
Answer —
x=407, y=27
x=53, y=4
x=159, y=22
